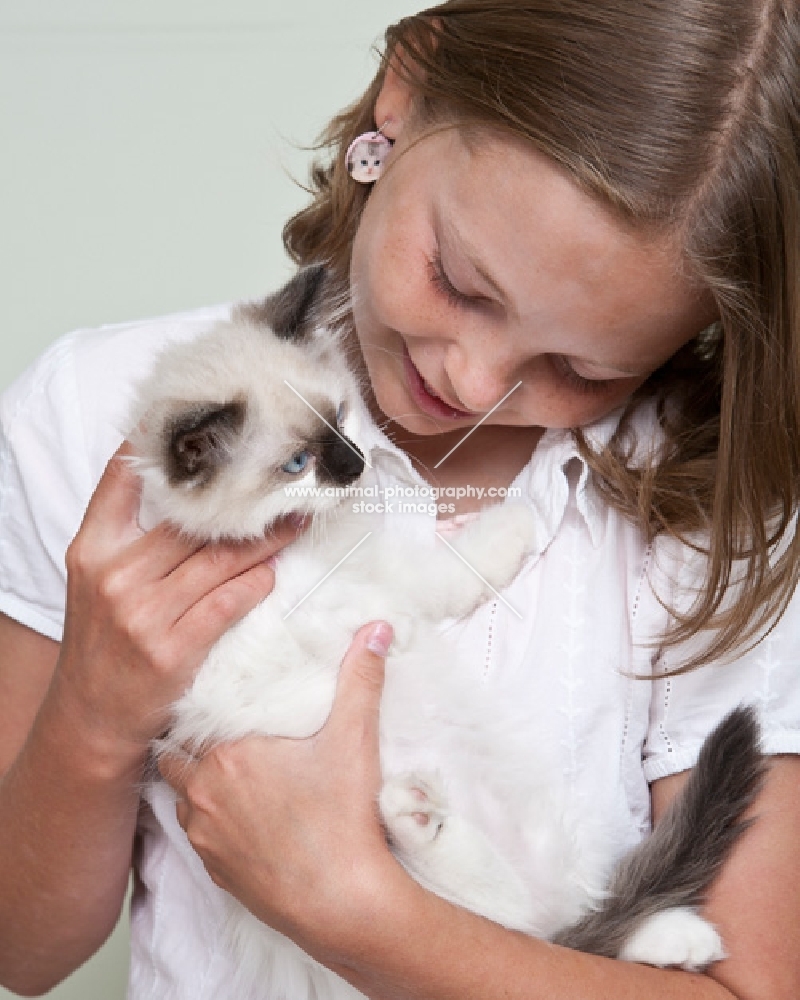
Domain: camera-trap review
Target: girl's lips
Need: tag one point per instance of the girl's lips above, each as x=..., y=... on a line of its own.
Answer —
x=425, y=400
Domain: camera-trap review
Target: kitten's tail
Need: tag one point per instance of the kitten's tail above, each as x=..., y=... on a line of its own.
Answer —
x=676, y=864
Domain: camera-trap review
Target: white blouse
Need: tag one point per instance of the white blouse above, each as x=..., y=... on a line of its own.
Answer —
x=591, y=595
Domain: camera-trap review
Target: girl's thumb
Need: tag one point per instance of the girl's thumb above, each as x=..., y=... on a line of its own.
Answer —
x=360, y=683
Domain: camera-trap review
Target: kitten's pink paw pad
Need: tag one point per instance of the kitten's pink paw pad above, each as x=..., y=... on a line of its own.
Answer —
x=413, y=810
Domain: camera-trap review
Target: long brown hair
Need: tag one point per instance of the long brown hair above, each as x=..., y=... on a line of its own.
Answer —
x=682, y=116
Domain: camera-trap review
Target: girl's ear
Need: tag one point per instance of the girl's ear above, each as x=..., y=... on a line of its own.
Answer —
x=395, y=101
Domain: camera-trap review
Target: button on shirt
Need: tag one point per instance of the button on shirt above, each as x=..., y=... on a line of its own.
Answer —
x=591, y=598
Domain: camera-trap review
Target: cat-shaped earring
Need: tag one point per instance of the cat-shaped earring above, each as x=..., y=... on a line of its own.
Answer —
x=366, y=155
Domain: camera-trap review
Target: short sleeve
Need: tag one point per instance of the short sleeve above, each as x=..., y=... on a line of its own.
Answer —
x=44, y=488
x=60, y=422
x=686, y=707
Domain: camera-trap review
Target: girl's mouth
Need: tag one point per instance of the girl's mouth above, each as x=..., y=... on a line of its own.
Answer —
x=426, y=397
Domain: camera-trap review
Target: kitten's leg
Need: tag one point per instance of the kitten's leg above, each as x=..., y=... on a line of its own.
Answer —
x=488, y=555
x=257, y=678
x=448, y=855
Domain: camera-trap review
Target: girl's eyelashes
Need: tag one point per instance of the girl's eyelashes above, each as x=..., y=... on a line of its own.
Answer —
x=569, y=376
x=443, y=284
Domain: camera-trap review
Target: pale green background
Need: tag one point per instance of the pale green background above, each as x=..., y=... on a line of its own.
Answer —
x=145, y=154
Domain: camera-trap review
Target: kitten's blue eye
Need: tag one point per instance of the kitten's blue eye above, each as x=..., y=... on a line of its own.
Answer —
x=297, y=462
x=340, y=414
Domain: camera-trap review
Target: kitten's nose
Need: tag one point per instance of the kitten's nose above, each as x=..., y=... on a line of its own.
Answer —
x=341, y=462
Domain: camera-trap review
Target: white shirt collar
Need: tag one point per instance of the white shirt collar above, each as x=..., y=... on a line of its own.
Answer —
x=549, y=487
x=544, y=480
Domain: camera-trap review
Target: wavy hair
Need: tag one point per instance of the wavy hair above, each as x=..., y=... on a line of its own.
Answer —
x=682, y=117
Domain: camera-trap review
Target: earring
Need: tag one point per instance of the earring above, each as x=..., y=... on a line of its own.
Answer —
x=366, y=154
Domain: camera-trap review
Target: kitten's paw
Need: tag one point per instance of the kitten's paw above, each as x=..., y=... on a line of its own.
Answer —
x=678, y=937
x=414, y=811
x=498, y=542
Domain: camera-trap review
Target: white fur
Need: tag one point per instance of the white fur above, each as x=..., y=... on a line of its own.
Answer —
x=532, y=863
x=278, y=677
x=679, y=937
x=238, y=360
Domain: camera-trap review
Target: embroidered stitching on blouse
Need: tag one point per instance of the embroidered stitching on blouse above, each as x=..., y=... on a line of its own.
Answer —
x=572, y=647
x=490, y=639
x=642, y=577
x=661, y=660
x=632, y=680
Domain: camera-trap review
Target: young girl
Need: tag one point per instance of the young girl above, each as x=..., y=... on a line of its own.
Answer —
x=590, y=213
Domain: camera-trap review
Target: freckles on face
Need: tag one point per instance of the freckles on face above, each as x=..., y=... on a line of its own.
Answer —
x=393, y=305
x=486, y=284
x=550, y=397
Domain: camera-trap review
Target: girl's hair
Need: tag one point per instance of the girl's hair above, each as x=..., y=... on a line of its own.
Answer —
x=683, y=116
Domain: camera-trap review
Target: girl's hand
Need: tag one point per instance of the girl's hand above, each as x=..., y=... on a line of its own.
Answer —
x=291, y=827
x=144, y=609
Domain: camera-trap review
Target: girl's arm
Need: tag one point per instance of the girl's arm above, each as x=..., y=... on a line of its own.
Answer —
x=66, y=824
x=306, y=853
x=756, y=900
x=76, y=721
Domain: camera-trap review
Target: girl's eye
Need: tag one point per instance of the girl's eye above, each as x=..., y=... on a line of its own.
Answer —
x=297, y=462
x=568, y=375
x=443, y=284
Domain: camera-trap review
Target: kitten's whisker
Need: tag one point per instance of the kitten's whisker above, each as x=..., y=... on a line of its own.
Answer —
x=319, y=526
x=442, y=428
x=384, y=350
x=349, y=444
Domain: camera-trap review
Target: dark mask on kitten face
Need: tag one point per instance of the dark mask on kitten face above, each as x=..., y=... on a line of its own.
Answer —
x=230, y=423
x=201, y=439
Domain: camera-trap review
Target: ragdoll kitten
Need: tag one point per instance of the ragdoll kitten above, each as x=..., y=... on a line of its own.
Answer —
x=266, y=401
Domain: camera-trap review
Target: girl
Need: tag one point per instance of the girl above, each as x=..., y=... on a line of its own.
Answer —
x=590, y=213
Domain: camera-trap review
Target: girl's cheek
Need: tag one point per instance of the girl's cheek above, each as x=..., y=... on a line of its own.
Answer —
x=391, y=272
x=404, y=307
x=553, y=404
x=593, y=410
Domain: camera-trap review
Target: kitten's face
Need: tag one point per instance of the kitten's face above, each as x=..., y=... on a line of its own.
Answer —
x=233, y=425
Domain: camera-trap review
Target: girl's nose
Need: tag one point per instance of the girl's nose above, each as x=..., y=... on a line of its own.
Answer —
x=480, y=378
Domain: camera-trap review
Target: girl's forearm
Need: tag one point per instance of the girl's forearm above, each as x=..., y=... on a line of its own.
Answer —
x=424, y=948
x=68, y=805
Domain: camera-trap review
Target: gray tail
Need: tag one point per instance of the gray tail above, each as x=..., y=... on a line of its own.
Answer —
x=678, y=862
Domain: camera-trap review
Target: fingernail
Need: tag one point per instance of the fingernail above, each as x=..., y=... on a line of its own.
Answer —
x=380, y=639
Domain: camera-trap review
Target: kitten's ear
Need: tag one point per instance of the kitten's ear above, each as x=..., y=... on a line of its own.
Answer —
x=289, y=312
x=201, y=440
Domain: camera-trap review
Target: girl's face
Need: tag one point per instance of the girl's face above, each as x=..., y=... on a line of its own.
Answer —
x=479, y=265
